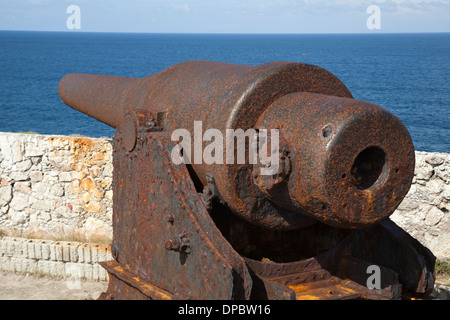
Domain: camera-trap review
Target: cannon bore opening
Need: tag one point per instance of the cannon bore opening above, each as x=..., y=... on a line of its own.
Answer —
x=367, y=168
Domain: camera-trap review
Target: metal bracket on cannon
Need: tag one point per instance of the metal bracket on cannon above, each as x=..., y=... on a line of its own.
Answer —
x=163, y=234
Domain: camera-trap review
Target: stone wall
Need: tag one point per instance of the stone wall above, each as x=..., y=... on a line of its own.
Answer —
x=62, y=184
x=56, y=185
x=54, y=258
x=424, y=213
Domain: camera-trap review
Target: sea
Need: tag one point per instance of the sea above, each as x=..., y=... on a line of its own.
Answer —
x=407, y=74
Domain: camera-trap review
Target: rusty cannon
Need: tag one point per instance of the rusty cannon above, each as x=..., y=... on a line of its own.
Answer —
x=317, y=227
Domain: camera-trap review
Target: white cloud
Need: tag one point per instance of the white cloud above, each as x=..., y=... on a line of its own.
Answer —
x=180, y=7
x=343, y=5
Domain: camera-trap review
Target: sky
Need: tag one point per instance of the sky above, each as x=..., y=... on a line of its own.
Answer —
x=227, y=16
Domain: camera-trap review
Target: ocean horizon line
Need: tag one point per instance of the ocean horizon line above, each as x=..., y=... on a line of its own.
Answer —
x=227, y=33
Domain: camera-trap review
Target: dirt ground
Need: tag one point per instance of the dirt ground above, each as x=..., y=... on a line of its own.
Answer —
x=19, y=286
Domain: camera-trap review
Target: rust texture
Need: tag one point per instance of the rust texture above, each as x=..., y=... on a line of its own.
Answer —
x=224, y=231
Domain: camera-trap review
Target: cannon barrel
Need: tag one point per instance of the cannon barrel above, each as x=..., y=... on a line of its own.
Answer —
x=347, y=163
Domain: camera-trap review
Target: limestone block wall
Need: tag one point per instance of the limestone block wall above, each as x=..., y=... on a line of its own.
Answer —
x=55, y=258
x=424, y=213
x=60, y=184
x=56, y=185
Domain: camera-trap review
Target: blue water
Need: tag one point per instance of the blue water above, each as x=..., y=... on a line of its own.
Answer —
x=408, y=74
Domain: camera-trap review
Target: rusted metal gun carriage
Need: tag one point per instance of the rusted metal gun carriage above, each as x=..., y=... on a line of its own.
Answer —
x=224, y=231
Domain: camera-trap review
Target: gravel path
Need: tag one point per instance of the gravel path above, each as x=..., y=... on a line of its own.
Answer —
x=18, y=286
